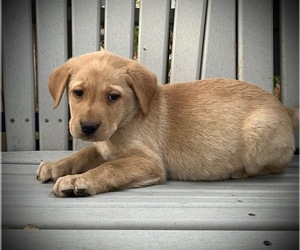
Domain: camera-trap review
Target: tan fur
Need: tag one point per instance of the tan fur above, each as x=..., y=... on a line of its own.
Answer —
x=203, y=130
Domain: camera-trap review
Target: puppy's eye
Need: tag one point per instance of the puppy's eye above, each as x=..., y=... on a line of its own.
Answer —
x=113, y=97
x=78, y=92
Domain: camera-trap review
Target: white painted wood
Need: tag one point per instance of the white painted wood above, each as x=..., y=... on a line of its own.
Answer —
x=289, y=55
x=231, y=214
x=1, y=40
x=28, y=157
x=255, y=42
x=173, y=2
x=154, y=37
x=85, y=26
x=173, y=194
x=148, y=239
x=187, y=40
x=3, y=134
x=52, y=52
x=148, y=218
x=219, y=53
x=289, y=40
x=119, y=27
x=85, y=36
x=18, y=84
x=221, y=205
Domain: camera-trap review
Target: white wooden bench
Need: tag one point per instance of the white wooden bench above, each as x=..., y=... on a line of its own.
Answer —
x=194, y=39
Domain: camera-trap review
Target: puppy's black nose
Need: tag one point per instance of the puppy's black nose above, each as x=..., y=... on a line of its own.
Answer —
x=89, y=128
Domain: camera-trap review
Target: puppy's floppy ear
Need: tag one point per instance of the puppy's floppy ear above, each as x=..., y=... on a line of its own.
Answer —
x=144, y=84
x=58, y=81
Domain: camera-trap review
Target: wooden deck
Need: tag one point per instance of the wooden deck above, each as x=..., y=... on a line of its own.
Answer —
x=254, y=213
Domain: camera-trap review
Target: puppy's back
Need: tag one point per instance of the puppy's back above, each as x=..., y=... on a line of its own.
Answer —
x=208, y=126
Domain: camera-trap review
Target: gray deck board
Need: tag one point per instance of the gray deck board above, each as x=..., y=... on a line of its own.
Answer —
x=230, y=214
x=147, y=239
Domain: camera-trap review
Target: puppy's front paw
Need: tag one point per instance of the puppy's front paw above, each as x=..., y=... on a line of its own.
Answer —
x=74, y=185
x=51, y=171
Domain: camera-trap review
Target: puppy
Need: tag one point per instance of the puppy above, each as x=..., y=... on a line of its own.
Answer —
x=145, y=133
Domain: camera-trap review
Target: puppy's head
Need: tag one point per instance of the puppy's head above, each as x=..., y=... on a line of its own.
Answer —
x=105, y=92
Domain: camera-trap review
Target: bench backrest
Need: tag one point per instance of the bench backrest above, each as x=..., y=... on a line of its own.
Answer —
x=178, y=40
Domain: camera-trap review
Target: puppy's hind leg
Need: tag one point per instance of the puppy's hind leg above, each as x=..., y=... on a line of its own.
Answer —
x=272, y=169
x=240, y=174
x=268, y=142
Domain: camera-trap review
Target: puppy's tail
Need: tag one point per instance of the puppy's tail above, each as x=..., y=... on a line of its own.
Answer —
x=294, y=114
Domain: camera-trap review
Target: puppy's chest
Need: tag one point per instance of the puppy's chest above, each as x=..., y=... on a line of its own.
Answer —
x=108, y=151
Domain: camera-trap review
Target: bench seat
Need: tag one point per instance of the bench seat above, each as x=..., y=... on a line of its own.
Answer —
x=252, y=213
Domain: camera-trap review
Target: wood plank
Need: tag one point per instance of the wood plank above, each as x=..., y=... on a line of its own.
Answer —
x=153, y=52
x=52, y=52
x=219, y=53
x=287, y=179
x=160, y=201
x=289, y=55
x=85, y=26
x=255, y=43
x=18, y=82
x=28, y=157
x=187, y=40
x=177, y=214
x=85, y=37
x=264, y=188
x=289, y=41
x=3, y=134
x=1, y=46
x=143, y=218
x=39, y=195
x=148, y=239
x=224, y=194
x=119, y=27
x=265, y=202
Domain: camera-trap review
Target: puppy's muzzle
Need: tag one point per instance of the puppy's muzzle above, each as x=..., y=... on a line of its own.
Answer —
x=89, y=128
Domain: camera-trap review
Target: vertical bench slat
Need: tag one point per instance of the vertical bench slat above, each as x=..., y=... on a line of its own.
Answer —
x=3, y=135
x=154, y=37
x=85, y=36
x=85, y=26
x=18, y=75
x=119, y=27
x=52, y=52
x=289, y=53
x=255, y=42
x=289, y=40
x=219, y=53
x=187, y=40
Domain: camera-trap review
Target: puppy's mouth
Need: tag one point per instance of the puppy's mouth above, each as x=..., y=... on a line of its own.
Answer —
x=92, y=138
x=91, y=132
x=88, y=138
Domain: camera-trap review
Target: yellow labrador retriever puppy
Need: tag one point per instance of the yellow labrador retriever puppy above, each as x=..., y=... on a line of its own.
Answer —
x=144, y=133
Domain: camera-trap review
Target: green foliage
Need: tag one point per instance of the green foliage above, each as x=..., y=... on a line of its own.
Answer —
x=276, y=80
x=136, y=40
